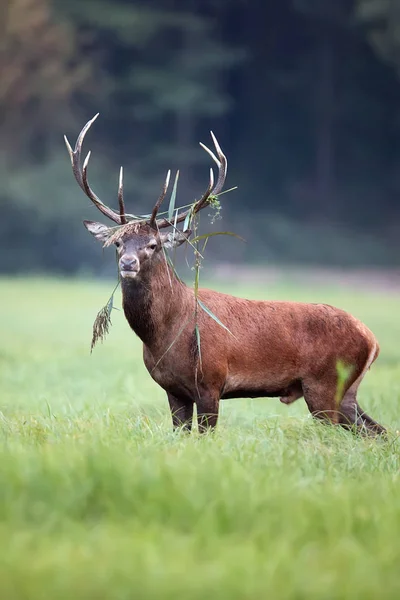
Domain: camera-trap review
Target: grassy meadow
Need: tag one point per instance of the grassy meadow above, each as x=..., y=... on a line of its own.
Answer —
x=100, y=499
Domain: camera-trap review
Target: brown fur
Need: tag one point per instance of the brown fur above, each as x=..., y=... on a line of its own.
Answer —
x=285, y=349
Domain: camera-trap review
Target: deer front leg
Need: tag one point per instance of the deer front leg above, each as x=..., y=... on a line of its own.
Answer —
x=181, y=412
x=207, y=413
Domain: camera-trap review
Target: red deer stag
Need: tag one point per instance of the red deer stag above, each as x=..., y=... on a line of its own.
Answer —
x=272, y=349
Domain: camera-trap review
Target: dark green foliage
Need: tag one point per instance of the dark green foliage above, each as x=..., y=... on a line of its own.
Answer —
x=303, y=95
x=381, y=19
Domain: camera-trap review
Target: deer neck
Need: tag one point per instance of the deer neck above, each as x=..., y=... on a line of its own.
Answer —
x=153, y=302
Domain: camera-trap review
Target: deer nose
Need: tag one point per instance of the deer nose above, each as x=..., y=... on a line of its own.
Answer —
x=128, y=262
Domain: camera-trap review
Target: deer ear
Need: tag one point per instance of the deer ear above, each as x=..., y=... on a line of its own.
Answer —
x=100, y=231
x=173, y=239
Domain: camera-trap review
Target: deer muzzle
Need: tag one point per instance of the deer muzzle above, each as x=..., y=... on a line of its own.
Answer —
x=129, y=265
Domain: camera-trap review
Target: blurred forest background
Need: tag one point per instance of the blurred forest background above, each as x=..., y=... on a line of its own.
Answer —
x=303, y=95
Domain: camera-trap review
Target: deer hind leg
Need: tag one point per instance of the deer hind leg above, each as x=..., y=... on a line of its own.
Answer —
x=368, y=424
x=323, y=402
x=181, y=412
x=320, y=397
x=351, y=414
x=348, y=409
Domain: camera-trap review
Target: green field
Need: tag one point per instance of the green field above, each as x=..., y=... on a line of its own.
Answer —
x=100, y=500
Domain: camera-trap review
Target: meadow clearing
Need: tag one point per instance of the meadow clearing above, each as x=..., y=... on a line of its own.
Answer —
x=100, y=499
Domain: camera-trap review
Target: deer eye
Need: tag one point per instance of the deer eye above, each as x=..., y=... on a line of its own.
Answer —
x=152, y=245
x=118, y=244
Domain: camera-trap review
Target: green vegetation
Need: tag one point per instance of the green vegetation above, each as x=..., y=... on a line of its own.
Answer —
x=99, y=499
x=304, y=99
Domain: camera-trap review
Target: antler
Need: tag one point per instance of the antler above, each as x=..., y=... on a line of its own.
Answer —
x=153, y=220
x=81, y=177
x=80, y=174
x=208, y=195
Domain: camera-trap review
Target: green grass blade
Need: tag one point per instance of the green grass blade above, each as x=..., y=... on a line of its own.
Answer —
x=171, y=344
x=211, y=314
x=110, y=304
x=196, y=281
x=187, y=220
x=226, y=191
x=174, y=250
x=197, y=331
x=343, y=373
x=171, y=264
x=171, y=206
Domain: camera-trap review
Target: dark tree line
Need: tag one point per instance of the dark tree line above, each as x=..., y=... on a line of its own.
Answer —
x=304, y=96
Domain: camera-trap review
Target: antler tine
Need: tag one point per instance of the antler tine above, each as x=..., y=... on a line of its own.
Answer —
x=204, y=201
x=121, y=197
x=81, y=174
x=211, y=191
x=153, y=223
x=222, y=165
x=211, y=153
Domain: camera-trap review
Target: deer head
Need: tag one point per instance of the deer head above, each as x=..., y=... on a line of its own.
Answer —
x=139, y=241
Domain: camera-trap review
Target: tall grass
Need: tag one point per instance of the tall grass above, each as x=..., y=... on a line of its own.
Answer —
x=100, y=499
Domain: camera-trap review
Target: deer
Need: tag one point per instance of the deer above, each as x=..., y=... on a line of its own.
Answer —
x=284, y=349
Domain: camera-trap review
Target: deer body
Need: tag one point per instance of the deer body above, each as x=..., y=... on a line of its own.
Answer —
x=284, y=349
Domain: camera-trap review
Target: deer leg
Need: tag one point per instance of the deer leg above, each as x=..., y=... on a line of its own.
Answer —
x=321, y=400
x=368, y=423
x=207, y=413
x=351, y=414
x=348, y=414
x=320, y=396
x=181, y=412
